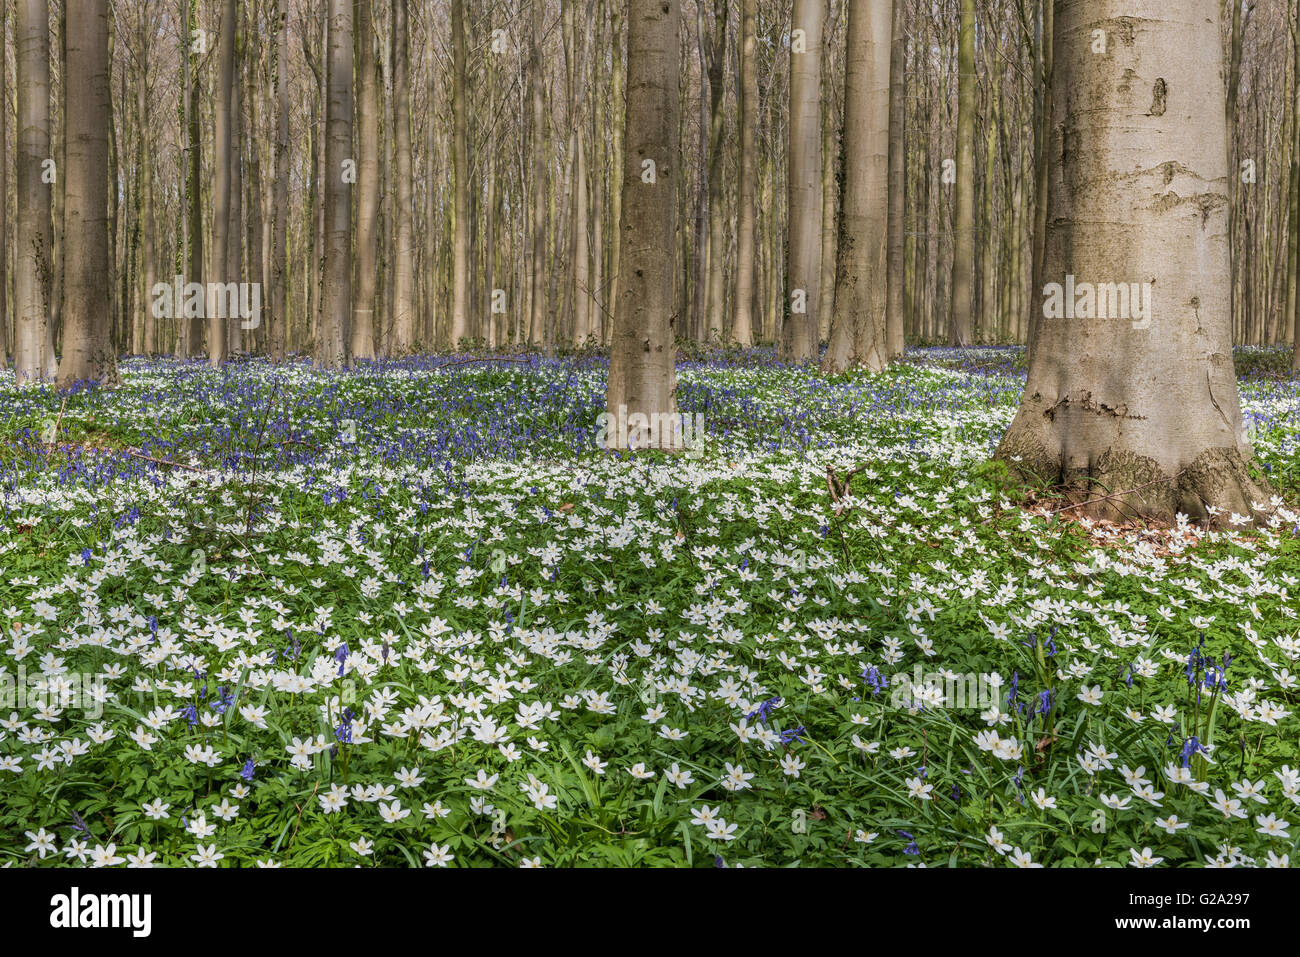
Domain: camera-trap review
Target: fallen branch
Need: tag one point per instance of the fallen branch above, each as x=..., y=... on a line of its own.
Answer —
x=465, y=362
x=1159, y=481
x=150, y=458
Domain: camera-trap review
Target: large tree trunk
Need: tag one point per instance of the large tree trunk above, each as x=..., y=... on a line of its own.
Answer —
x=221, y=161
x=716, y=42
x=460, y=167
x=537, y=239
x=1042, y=139
x=34, y=233
x=1142, y=398
x=368, y=142
x=804, y=260
x=895, y=339
x=235, y=265
x=403, y=270
x=193, y=323
x=959, y=317
x=148, y=266
x=858, y=322
x=1294, y=318
x=742, y=328
x=642, y=375
x=87, y=352
x=336, y=293
x=279, y=292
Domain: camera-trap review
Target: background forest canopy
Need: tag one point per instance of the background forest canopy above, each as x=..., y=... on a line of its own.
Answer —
x=527, y=252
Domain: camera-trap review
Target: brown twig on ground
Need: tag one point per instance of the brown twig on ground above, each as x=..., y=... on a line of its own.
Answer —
x=465, y=362
x=54, y=439
x=150, y=458
x=1159, y=481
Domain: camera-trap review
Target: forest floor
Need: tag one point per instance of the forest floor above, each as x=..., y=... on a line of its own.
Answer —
x=409, y=615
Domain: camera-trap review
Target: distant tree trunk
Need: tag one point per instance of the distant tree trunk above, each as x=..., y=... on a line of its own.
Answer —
x=1131, y=401
x=34, y=235
x=642, y=375
x=960, y=315
x=460, y=170
x=581, y=252
x=279, y=292
x=804, y=259
x=403, y=270
x=87, y=352
x=742, y=330
x=368, y=143
x=337, y=287
x=858, y=323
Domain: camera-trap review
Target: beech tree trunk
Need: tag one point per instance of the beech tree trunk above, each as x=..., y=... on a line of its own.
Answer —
x=962, y=308
x=642, y=373
x=34, y=230
x=336, y=294
x=1125, y=395
x=804, y=261
x=279, y=291
x=368, y=142
x=87, y=351
x=460, y=170
x=742, y=328
x=858, y=321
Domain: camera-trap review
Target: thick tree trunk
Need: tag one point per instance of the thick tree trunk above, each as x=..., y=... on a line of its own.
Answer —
x=858, y=322
x=193, y=319
x=742, y=328
x=642, y=375
x=960, y=316
x=1042, y=140
x=716, y=41
x=87, y=351
x=279, y=292
x=336, y=293
x=368, y=143
x=221, y=180
x=895, y=340
x=460, y=170
x=148, y=266
x=804, y=260
x=34, y=234
x=1131, y=385
x=403, y=275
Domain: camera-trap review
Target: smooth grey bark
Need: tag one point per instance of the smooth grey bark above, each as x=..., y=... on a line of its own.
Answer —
x=336, y=292
x=642, y=374
x=804, y=181
x=87, y=352
x=34, y=234
x=1139, y=401
x=858, y=320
